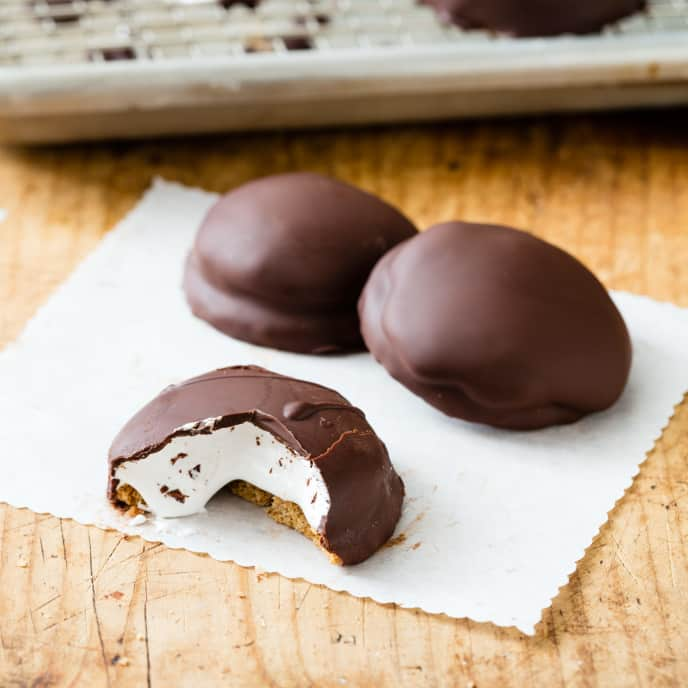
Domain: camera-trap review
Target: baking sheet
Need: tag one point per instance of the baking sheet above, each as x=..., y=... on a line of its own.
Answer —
x=76, y=70
x=494, y=521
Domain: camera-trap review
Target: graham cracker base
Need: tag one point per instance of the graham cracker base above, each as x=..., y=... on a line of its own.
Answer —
x=126, y=495
x=287, y=513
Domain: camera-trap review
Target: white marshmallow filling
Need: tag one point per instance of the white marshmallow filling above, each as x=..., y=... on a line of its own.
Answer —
x=181, y=477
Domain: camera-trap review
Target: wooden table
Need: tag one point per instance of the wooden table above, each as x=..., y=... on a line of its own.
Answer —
x=83, y=607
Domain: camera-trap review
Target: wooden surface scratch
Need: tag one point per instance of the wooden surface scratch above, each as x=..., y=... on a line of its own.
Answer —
x=84, y=607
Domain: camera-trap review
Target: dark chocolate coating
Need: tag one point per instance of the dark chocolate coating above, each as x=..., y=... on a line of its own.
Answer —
x=314, y=421
x=535, y=17
x=281, y=261
x=493, y=325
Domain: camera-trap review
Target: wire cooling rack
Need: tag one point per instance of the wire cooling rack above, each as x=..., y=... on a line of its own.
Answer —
x=72, y=68
x=73, y=31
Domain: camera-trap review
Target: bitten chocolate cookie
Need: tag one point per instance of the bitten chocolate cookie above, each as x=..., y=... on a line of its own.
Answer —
x=535, y=17
x=492, y=325
x=296, y=448
x=281, y=261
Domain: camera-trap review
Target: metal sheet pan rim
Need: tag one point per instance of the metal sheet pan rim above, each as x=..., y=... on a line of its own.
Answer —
x=590, y=50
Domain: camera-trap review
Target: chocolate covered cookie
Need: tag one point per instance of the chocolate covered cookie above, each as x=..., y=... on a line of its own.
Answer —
x=492, y=325
x=281, y=261
x=296, y=448
x=535, y=17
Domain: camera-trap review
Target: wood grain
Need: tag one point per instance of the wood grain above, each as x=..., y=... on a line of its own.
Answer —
x=83, y=607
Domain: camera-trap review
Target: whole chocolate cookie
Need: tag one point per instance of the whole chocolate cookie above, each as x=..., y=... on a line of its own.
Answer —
x=298, y=449
x=281, y=261
x=492, y=325
x=535, y=17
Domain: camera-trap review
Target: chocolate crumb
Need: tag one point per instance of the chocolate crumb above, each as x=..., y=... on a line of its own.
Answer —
x=297, y=42
x=66, y=18
x=178, y=495
x=226, y=4
x=174, y=459
x=320, y=18
x=163, y=489
x=112, y=54
x=257, y=441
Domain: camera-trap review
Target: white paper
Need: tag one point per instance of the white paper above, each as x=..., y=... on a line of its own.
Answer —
x=494, y=521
